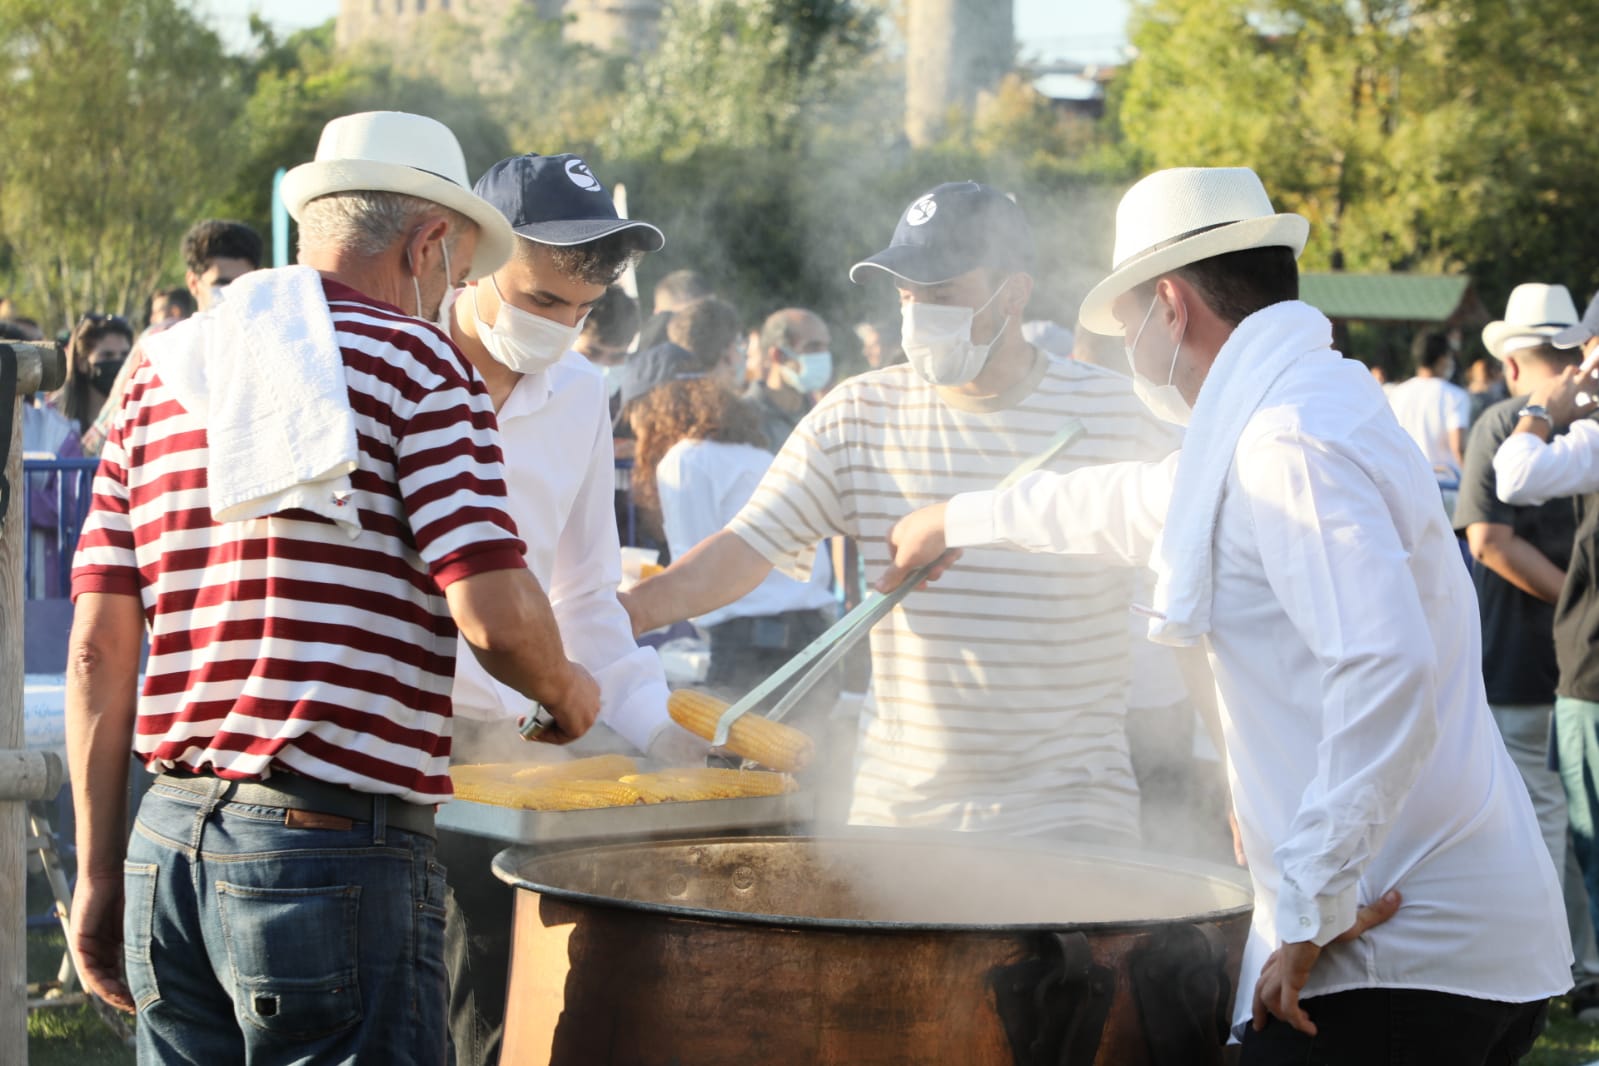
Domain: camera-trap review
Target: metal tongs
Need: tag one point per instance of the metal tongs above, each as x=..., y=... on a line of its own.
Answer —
x=823, y=653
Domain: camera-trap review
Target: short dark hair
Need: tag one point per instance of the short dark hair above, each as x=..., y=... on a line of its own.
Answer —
x=705, y=328
x=1234, y=285
x=682, y=287
x=598, y=262
x=614, y=318
x=175, y=297
x=1556, y=359
x=10, y=331
x=217, y=238
x=1429, y=348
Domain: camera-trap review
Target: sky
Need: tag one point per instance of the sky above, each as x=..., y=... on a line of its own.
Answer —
x=1090, y=30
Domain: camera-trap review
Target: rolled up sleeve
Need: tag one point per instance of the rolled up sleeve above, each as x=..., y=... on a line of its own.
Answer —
x=1529, y=472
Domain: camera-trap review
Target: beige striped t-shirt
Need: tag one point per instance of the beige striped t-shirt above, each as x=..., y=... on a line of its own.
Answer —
x=999, y=691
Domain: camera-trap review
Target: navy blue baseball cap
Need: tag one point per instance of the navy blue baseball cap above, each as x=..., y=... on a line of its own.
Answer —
x=952, y=230
x=556, y=199
x=1583, y=331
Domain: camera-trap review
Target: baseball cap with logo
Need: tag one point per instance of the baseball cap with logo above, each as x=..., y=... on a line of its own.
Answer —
x=556, y=199
x=956, y=228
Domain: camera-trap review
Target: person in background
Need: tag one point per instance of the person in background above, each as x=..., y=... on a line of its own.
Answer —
x=216, y=252
x=880, y=345
x=26, y=328
x=280, y=898
x=1522, y=554
x=1485, y=382
x=787, y=370
x=95, y=356
x=701, y=452
x=1405, y=905
x=607, y=337
x=1432, y=408
x=1537, y=464
x=936, y=749
x=672, y=293
x=167, y=307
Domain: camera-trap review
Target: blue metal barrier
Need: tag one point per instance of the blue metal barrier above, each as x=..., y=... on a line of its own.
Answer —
x=68, y=486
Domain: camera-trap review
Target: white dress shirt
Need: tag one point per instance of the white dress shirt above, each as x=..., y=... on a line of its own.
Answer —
x=1427, y=409
x=1529, y=472
x=555, y=428
x=1346, y=647
x=702, y=485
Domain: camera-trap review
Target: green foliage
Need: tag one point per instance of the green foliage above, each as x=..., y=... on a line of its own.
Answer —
x=1447, y=135
x=118, y=117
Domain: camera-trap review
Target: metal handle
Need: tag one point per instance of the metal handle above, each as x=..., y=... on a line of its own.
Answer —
x=536, y=725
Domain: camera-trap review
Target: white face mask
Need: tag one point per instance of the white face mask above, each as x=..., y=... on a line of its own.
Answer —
x=613, y=378
x=937, y=339
x=1166, y=401
x=808, y=371
x=525, y=342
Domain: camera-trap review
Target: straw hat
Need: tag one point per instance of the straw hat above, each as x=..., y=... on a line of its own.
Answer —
x=1175, y=217
x=391, y=151
x=1534, y=313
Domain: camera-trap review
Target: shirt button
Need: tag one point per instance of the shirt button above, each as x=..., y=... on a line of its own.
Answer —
x=1304, y=921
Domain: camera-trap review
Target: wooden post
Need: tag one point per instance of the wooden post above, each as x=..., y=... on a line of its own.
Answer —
x=39, y=366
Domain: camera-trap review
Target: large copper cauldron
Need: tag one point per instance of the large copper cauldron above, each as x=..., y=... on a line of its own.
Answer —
x=869, y=949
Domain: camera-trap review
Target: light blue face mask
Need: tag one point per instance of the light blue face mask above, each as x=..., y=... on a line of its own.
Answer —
x=809, y=371
x=613, y=378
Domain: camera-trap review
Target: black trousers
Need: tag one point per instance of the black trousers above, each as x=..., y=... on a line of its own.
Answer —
x=1400, y=1027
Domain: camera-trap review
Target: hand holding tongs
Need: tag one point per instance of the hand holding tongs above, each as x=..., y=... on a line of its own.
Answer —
x=823, y=653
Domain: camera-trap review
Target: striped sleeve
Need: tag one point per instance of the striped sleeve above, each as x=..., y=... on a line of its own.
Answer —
x=797, y=504
x=452, y=482
x=105, y=560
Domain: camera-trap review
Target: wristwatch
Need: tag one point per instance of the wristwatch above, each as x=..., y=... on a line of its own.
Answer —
x=1536, y=410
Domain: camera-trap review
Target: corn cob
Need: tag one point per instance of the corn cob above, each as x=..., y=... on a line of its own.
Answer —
x=593, y=768
x=486, y=772
x=769, y=743
x=562, y=796
x=699, y=783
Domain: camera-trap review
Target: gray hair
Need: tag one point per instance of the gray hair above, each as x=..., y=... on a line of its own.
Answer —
x=368, y=222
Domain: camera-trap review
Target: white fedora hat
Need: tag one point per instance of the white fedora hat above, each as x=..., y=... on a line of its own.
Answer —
x=1175, y=217
x=391, y=151
x=1535, y=312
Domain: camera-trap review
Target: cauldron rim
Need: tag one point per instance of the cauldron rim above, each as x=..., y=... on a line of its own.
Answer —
x=507, y=866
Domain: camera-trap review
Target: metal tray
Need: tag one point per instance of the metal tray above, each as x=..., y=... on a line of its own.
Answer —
x=640, y=820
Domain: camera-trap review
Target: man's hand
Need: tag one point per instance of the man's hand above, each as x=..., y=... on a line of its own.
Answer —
x=915, y=541
x=1288, y=968
x=97, y=938
x=576, y=710
x=1559, y=396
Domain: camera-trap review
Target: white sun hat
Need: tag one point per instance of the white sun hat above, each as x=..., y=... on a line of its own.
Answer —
x=392, y=151
x=1175, y=217
x=1534, y=313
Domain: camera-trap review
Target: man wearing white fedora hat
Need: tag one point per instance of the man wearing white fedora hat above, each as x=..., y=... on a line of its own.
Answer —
x=1523, y=553
x=303, y=497
x=1553, y=453
x=1298, y=535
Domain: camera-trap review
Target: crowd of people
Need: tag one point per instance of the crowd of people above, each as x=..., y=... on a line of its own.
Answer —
x=364, y=511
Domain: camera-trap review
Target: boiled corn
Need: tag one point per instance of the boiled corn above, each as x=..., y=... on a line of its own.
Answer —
x=561, y=796
x=755, y=738
x=593, y=768
x=700, y=783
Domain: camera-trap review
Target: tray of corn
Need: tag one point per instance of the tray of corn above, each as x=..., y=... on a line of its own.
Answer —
x=609, y=796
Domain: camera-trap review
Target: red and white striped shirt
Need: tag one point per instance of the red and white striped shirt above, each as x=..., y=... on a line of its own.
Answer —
x=280, y=642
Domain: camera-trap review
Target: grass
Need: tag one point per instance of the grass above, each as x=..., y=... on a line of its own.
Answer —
x=1566, y=1042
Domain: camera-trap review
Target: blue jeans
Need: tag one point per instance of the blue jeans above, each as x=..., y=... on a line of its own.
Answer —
x=1577, y=754
x=250, y=941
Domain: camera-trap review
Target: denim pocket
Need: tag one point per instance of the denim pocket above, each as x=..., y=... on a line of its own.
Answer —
x=138, y=930
x=293, y=955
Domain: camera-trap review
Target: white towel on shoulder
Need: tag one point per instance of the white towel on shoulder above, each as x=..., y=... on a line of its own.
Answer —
x=1264, y=345
x=264, y=371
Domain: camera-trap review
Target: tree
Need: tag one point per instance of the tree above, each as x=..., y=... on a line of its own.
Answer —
x=1446, y=135
x=118, y=117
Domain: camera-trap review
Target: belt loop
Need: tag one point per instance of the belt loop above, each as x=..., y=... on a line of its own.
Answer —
x=380, y=818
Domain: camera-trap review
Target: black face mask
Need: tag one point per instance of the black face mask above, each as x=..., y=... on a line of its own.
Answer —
x=103, y=375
